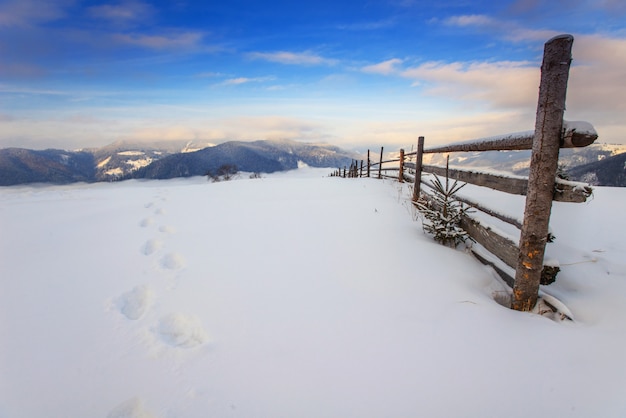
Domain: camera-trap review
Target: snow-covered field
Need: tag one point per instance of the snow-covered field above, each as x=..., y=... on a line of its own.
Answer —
x=295, y=295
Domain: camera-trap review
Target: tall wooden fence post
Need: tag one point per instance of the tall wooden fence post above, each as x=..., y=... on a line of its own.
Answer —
x=380, y=164
x=418, y=169
x=401, y=171
x=368, y=163
x=557, y=57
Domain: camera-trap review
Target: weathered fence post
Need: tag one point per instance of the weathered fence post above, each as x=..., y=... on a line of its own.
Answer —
x=401, y=173
x=418, y=169
x=361, y=170
x=368, y=163
x=380, y=164
x=557, y=57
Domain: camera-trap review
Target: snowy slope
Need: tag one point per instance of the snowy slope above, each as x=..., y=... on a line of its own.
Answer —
x=261, y=298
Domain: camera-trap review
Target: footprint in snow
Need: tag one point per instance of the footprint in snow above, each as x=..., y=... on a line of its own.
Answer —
x=167, y=229
x=134, y=304
x=132, y=408
x=160, y=211
x=146, y=222
x=172, y=261
x=148, y=205
x=151, y=246
x=181, y=330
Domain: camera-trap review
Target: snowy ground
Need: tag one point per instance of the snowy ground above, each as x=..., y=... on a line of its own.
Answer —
x=295, y=295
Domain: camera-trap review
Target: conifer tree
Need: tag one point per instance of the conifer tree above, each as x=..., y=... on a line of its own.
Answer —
x=442, y=213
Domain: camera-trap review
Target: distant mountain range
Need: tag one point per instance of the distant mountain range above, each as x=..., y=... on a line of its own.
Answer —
x=596, y=164
x=161, y=160
x=257, y=156
x=607, y=172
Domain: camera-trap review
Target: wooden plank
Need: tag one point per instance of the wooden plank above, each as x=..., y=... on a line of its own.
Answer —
x=502, y=247
x=401, y=173
x=564, y=191
x=504, y=218
x=569, y=191
x=574, y=135
x=418, y=169
x=508, y=279
x=386, y=162
x=557, y=58
x=578, y=134
x=381, y=162
x=502, y=183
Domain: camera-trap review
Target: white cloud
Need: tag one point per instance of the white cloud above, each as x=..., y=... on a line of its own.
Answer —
x=613, y=6
x=384, y=68
x=597, y=84
x=366, y=26
x=503, y=84
x=170, y=41
x=209, y=74
x=245, y=80
x=470, y=20
x=24, y=13
x=292, y=58
x=239, y=128
x=122, y=13
x=506, y=29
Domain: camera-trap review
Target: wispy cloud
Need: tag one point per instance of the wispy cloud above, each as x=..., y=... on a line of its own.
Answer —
x=508, y=30
x=503, y=84
x=292, y=58
x=613, y=6
x=183, y=40
x=21, y=70
x=122, y=13
x=385, y=68
x=209, y=74
x=366, y=26
x=31, y=91
x=231, y=128
x=470, y=20
x=24, y=13
x=597, y=84
x=245, y=80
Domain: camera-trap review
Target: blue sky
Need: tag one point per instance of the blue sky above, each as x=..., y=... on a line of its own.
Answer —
x=353, y=73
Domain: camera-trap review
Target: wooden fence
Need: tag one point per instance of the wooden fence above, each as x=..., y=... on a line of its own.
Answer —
x=541, y=187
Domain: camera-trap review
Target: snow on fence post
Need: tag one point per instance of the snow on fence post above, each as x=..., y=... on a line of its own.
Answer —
x=361, y=170
x=543, y=166
x=368, y=163
x=401, y=171
x=380, y=164
x=418, y=169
